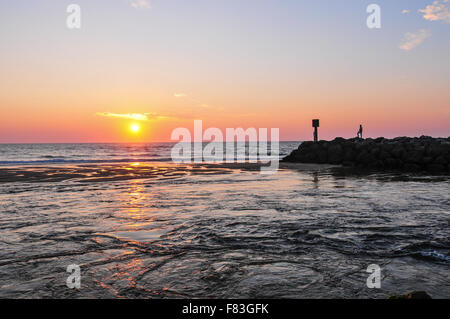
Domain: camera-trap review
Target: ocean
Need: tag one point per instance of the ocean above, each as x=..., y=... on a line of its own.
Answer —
x=30, y=154
x=140, y=226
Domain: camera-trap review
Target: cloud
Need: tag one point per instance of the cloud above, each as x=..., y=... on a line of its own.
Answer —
x=140, y=4
x=134, y=116
x=405, y=11
x=437, y=11
x=179, y=95
x=411, y=40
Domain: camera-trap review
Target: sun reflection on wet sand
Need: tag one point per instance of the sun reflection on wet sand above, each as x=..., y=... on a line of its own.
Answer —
x=225, y=231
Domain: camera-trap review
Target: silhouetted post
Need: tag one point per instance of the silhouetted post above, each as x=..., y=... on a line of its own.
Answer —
x=315, y=124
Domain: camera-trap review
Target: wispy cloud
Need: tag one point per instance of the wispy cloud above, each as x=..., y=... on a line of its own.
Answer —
x=405, y=11
x=180, y=95
x=140, y=4
x=437, y=11
x=413, y=39
x=134, y=116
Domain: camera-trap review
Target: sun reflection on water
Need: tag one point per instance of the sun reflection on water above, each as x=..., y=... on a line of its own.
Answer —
x=135, y=198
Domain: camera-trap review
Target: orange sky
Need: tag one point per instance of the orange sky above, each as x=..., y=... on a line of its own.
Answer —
x=54, y=81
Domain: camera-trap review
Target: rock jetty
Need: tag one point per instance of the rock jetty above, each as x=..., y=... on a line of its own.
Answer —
x=412, y=295
x=424, y=153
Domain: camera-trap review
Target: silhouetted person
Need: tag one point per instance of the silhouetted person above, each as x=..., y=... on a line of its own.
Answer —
x=360, y=132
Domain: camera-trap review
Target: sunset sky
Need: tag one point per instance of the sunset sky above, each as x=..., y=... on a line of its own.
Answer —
x=231, y=63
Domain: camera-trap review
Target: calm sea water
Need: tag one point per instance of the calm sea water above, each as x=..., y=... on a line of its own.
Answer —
x=30, y=154
x=189, y=231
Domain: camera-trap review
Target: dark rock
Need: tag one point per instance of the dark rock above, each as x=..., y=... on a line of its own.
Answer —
x=322, y=156
x=412, y=295
x=436, y=168
x=398, y=152
x=384, y=155
x=378, y=164
x=335, y=154
x=414, y=156
x=411, y=167
x=350, y=155
x=391, y=163
x=401, y=153
x=375, y=151
x=364, y=158
x=440, y=160
x=351, y=164
x=305, y=145
x=435, y=150
x=339, y=140
x=419, y=295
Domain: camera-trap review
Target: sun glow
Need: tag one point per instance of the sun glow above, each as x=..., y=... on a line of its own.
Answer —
x=135, y=128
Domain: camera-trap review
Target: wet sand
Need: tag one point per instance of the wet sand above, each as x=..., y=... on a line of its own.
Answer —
x=164, y=230
x=129, y=171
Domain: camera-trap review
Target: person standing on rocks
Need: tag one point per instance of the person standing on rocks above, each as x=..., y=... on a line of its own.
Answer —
x=360, y=132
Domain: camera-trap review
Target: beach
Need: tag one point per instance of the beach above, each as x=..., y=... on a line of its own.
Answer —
x=236, y=156
x=163, y=230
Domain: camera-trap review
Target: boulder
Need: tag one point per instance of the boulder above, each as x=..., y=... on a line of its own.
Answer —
x=435, y=168
x=412, y=295
x=440, y=160
x=401, y=153
x=335, y=154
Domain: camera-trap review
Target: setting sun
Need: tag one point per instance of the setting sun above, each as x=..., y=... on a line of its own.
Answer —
x=135, y=128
